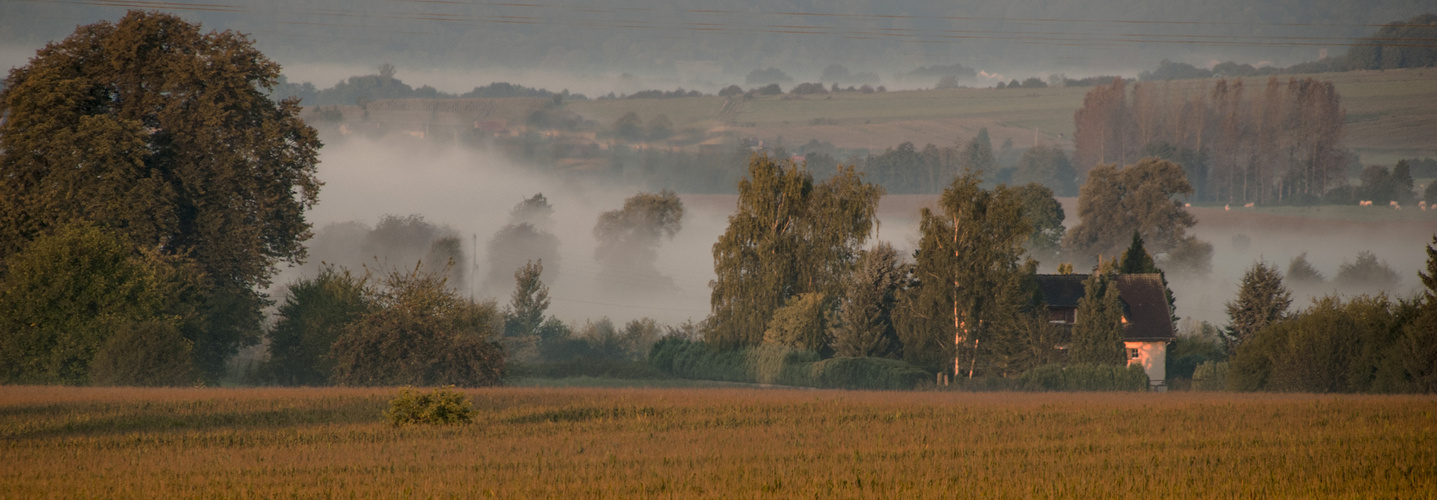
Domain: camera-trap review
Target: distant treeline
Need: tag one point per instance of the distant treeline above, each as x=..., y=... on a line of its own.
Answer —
x=1237, y=143
x=1399, y=44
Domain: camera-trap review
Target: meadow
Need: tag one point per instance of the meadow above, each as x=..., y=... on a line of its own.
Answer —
x=1389, y=114
x=715, y=442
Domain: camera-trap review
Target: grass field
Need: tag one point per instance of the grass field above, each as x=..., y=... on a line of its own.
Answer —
x=1391, y=114
x=588, y=442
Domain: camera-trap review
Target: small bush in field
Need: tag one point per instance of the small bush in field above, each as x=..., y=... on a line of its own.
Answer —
x=441, y=407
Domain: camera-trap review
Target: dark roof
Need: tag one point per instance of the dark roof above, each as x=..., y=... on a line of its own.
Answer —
x=1145, y=302
x=1149, y=318
x=1061, y=290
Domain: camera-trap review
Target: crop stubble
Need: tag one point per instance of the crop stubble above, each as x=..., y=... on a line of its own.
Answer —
x=81, y=442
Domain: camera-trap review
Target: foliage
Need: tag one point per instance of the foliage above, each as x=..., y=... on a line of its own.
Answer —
x=629, y=126
x=525, y=238
x=1301, y=273
x=146, y=353
x=1382, y=186
x=525, y=313
x=1044, y=215
x=443, y=406
x=629, y=238
x=1366, y=273
x=968, y=266
x=167, y=135
x=82, y=293
x=420, y=332
x=1417, y=346
x=1049, y=166
x=312, y=317
x=788, y=236
x=802, y=323
x=1399, y=44
x=1330, y=347
x=1193, y=348
x=776, y=364
x=1261, y=300
x=865, y=316
x=1115, y=203
x=1267, y=144
x=1098, y=332
x=1210, y=376
x=977, y=155
x=1085, y=377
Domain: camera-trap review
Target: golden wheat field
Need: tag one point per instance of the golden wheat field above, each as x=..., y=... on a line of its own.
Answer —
x=597, y=442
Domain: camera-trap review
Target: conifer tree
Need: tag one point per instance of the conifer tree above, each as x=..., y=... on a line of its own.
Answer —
x=1098, y=331
x=865, y=317
x=1261, y=300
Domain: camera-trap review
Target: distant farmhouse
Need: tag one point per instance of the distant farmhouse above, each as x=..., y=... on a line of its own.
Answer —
x=1147, y=319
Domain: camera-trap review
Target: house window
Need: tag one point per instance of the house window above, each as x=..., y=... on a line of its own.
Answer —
x=1133, y=353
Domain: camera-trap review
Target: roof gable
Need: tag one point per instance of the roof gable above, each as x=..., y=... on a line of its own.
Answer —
x=1145, y=302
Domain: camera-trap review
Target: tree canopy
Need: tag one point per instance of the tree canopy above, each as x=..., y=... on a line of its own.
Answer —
x=788, y=236
x=969, y=265
x=1116, y=202
x=166, y=135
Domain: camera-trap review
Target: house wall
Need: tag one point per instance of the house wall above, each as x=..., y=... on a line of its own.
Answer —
x=1153, y=357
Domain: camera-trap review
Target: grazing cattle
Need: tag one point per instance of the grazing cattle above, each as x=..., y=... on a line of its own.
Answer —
x=1249, y=205
x=1394, y=205
x=1422, y=205
x=1364, y=203
x=1226, y=208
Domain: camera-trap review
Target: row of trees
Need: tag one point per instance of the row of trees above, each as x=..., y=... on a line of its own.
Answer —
x=793, y=272
x=1271, y=144
x=1362, y=344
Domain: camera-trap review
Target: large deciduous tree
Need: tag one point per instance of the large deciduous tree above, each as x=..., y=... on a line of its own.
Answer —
x=1116, y=202
x=525, y=238
x=788, y=236
x=629, y=239
x=166, y=135
x=970, y=274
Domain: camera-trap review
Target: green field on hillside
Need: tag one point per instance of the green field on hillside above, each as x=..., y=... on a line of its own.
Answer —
x=1391, y=114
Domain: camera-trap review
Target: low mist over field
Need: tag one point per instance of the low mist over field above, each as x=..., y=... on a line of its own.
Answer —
x=472, y=193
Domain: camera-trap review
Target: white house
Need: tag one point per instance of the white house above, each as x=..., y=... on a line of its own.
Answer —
x=1147, y=317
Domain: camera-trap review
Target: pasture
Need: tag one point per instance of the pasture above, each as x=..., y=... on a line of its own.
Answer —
x=721, y=442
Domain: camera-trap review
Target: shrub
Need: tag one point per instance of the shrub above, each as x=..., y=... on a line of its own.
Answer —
x=775, y=364
x=1210, y=376
x=866, y=373
x=420, y=332
x=1085, y=377
x=146, y=353
x=444, y=406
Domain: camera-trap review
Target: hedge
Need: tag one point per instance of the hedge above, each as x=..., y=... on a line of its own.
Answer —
x=771, y=364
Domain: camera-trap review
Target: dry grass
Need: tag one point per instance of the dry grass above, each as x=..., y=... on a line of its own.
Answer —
x=528, y=442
